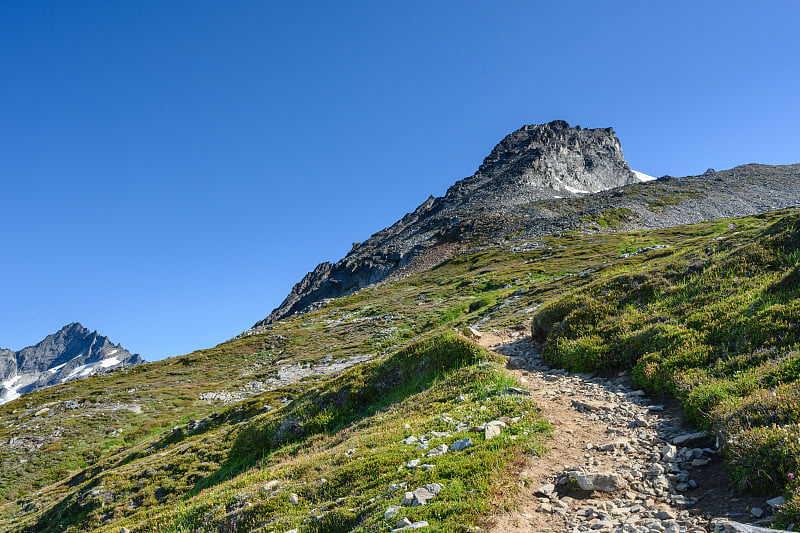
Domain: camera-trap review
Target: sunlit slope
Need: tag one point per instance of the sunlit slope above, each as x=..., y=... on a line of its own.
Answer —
x=317, y=405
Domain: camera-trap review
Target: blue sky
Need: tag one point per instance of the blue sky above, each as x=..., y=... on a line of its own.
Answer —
x=170, y=169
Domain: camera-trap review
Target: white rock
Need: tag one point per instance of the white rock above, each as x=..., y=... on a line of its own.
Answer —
x=602, y=481
x=439, y=450
x=462, y=444
x=391, y=512
x=669, y=453
x=491, y=432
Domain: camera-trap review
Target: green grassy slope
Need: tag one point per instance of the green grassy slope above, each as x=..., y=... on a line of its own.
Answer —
x=706, y=312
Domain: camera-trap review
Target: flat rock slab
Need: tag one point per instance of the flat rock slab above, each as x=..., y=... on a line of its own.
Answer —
x=690, y=438
x=416, y=525
x=592, y=405
x=462, y=444
x=736, y=527
x=602, y=481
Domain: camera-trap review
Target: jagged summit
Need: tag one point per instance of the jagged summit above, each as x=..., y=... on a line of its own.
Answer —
x=536, y=162
x=71, y=353
x=547, y=160
x=539, y=179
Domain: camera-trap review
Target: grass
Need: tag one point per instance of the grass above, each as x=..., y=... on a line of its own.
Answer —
x=613, y=218
x=306, y=444
x=717, y=326
x=711, y=319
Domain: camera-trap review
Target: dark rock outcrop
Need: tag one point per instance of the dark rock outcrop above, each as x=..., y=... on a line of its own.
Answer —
x=72, y=353
x=540, y=180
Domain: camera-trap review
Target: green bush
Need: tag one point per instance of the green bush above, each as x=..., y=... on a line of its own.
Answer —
x=723, y=339
x=761, y=458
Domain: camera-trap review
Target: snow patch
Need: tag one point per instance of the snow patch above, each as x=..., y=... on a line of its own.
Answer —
x=11, y=393
x=56, y=368
x=574, y=190
x=641, y=176
x=75, y=372
x=111, y=361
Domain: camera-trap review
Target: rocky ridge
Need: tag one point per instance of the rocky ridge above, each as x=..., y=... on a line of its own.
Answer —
x=534, y=163
x=540, y=180
x=72, y=353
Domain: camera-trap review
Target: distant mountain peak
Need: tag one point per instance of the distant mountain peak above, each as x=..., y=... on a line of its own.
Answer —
x=73, y=352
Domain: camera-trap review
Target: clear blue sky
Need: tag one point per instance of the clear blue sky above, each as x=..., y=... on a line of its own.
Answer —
x=170, y=169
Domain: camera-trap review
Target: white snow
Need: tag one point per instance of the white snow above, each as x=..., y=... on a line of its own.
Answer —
x=574, y=190
x=91, y=368
x=75, y=371
x=111, y=361
x=12, y=393
x=112, y=352
x=643, y=177
x=56, y=368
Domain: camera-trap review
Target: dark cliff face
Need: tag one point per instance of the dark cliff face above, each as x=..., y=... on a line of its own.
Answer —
x=73, y=352
x=8, y=364
x=536, y=181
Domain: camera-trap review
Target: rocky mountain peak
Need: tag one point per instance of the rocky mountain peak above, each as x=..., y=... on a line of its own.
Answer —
x=535, y=181
x=73, y=352
x=546, y=160
x=536, y=162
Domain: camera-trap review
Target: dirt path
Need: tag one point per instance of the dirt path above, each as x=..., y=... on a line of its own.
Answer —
x=662, y=479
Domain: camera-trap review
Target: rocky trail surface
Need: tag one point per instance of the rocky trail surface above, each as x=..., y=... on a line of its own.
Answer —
x=618, y=461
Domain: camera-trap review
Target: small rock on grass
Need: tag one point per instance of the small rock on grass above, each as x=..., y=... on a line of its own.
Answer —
x=415, y=525
x=491, y=432
x=439, y=450
x=294, y=499
x=690, y=438
x=422, y=495
x=391, y=512
x=462, y=444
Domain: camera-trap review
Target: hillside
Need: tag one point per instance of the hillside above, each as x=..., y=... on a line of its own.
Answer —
x=540, y=180
x=317, y=405
x=549, y=323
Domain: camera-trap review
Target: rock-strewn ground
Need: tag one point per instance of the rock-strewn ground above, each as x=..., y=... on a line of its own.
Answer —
x=649, y=471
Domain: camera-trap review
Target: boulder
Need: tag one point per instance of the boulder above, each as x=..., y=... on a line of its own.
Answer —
x=602, y=481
